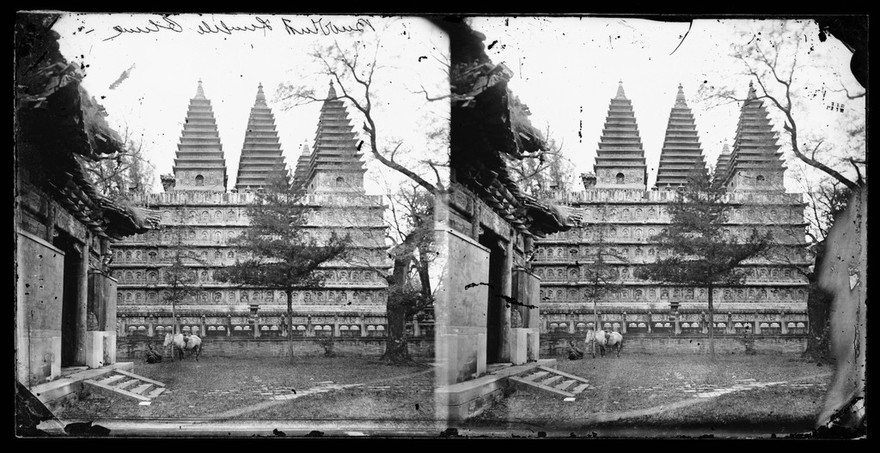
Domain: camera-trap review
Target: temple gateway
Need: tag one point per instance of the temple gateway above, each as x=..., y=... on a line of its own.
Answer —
x=200, y=216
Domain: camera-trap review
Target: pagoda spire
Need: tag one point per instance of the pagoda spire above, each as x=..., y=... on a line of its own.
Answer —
x=261, y=98
x=261, y=155
x=335, y=164
x=331, y=93
x=755, y=162
x=681, y=153
x=722, y=165
x=620, y=159
x=199, y=163
x=620, y=93
x=679, y=97
x=302, y=165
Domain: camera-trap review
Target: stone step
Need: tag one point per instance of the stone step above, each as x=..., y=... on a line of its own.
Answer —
x=141, y=388
x=565, y=384
x=139, y=377
x=529, y=385
x=125, y=384
x=535, y=376
x=111, y=379
x=156, y=392
x=112, y=391
x=580, y=388
x=551, y=380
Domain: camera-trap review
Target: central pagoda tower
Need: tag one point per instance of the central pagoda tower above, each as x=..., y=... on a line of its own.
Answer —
x=681, y=153
x=199, y=164
x=261, y=155
x=620, y=159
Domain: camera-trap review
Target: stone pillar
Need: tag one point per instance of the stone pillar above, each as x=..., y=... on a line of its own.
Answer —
x=122, y=328
x=703, y=328
x=650, y=324
x=310, y=332
x=782, y=324
x=256, y=327
x=150, y=329
x=623, y=324
x=570, y=321
x=228, y=325
x=677, y=324
x=336, y=325
x=416, y=331
x=203, y=332
x=756, y=325
x=363, y=326
x=82, y=303
x=506, y=285
x=729, y=328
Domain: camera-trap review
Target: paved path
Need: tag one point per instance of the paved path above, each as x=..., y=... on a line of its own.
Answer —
x=324, y=387
x=742, y=385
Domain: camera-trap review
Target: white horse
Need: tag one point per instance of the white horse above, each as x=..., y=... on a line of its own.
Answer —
x=181, y=343
x=614, y=340
x=599, y=338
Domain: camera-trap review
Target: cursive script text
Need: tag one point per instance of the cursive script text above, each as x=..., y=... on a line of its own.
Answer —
x=320, y=27
x=262, y=24
x=152, y=26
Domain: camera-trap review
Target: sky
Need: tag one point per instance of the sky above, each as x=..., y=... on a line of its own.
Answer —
x=165, y=62
x=567, y=69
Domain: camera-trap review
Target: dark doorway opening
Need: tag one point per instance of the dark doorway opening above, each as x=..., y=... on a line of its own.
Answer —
x=70, y=299
x=494, y=304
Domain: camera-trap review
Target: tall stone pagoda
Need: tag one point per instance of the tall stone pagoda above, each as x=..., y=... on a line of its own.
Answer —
x=681, y=154
x=620, y=159
x=301, y=172
x=204, y=223
x=199, y=164
x=335, y=164
x=261, y=155
x=755, y=162
x=721, y=166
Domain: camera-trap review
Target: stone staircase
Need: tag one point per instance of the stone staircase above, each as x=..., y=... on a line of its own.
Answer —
x=551, y=380
x=120, y=382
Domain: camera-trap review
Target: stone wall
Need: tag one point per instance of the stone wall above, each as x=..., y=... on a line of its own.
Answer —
x=555, y=345
x=132, y=349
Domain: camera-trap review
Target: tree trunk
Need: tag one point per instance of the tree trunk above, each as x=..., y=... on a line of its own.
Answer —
x=174, y=317
x=396, y=348
x=711, y=326
x=290, y=325
x=818, y=340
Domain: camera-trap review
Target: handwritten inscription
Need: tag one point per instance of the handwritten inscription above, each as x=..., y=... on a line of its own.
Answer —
x=293, y=27
x=318, y=26
x=262, y=24
x=153, y=26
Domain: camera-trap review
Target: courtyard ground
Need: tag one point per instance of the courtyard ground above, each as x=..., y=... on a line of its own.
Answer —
x=663, y=394
x=634, y=395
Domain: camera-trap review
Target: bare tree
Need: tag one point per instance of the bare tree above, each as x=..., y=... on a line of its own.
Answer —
x=120, y=175
x=771, y=60
x=351, y=70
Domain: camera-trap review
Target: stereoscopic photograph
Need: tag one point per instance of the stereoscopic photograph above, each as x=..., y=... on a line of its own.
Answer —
x=339, y=226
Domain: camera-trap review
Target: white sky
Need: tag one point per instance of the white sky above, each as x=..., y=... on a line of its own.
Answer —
x=153, y=100
x=567, y=70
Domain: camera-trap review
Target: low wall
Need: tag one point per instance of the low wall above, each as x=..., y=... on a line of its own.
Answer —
x=131, y=349
x=555, y=345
